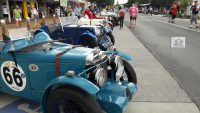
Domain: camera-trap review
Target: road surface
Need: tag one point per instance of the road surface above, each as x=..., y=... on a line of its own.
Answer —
x=183, y=63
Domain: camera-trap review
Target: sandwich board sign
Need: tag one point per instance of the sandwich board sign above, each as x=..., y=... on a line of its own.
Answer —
x=178, y=42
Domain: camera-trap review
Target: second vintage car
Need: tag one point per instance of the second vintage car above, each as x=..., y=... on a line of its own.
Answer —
x=86, y=35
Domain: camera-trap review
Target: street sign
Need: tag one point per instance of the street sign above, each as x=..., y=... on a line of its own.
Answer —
x=178, y=42
x=63, y=3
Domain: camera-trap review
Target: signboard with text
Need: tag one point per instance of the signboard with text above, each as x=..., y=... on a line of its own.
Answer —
x=178, y=42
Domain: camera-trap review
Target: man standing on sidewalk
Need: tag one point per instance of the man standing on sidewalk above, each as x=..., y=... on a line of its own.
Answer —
x=195, y=12
x=121, y=14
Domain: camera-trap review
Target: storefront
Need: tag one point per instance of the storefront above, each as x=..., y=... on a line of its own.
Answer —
x=47, y=7
x=9, y=5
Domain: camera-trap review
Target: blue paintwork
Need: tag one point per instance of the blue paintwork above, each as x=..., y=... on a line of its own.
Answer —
x=120, y=53
x=113, y=98
x=40, y=83
x=69, y=34
x=74, y=34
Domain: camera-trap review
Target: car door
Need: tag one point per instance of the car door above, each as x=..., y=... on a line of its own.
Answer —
x=14, y=78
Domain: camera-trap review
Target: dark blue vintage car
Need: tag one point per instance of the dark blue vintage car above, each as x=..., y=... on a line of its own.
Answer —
x=65, y=78
x=90, y=36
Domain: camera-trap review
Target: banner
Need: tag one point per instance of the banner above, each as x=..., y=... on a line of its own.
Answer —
x=63, y=3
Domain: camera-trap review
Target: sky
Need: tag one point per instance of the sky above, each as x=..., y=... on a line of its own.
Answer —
x=121, y=1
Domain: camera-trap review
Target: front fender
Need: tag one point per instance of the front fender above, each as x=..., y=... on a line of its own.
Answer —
x=121, y=54
x=61, y=81
x=88, y=34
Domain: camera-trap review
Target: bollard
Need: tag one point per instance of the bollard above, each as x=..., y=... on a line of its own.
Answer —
x=4, y=28
x=54, y=19
x=28, y=24
x=43, y=21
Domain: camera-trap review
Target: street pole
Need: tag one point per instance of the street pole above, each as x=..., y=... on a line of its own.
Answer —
x=44, y=5
x=1, y=12
x=9, y=18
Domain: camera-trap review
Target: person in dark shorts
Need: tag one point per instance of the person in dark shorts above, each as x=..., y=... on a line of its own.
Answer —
x=133, y=10
x=121, y=16
x=194, y=15
x=174, y=12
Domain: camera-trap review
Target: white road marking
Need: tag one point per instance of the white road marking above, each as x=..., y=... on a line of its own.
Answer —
x=25, y=107
x=187, y=28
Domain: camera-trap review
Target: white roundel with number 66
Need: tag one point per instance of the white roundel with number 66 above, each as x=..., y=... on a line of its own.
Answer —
x=13, y=76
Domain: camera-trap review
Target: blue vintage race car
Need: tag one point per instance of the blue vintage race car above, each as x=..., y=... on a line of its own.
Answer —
x=90, y=36
x=65, y=78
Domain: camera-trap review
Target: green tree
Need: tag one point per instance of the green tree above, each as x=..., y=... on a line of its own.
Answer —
x=183, y=5
x=154, y=3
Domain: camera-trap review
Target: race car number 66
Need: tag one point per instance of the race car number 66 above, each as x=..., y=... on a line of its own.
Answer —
x=13, y=76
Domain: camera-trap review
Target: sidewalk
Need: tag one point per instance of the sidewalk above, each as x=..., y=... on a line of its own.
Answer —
x=24, y=24
x=157, y=91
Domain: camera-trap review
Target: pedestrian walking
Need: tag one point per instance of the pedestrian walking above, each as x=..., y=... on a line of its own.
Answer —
x=88, y=13
x=121, y=16
x=77, y=10
x=170, y=13
x=174, y=12
x=17, y=16
x=133, y=10
x=195, y=12
x=151, y=10
x=35, y=16
x=58, y=11
x=69, y=10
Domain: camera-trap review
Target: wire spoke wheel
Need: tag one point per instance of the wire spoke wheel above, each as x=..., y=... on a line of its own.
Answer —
x=71, y=100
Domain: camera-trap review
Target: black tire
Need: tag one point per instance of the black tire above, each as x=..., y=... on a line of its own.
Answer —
x=130, y=72
x=72, y=100
x=88, y=42
x=111, y=38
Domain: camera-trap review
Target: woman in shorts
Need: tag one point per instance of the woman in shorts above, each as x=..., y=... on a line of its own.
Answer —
x=133, y=10
x=17, y=16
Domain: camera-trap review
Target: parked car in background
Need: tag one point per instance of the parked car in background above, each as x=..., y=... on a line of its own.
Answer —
x=86, y=35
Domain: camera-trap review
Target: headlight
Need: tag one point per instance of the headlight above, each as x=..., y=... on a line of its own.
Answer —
x=95, y=57
x=101, y=76
x=107, y=28
x=97, y=30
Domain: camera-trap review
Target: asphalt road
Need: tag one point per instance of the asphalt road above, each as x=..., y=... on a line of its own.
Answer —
x=184, y=64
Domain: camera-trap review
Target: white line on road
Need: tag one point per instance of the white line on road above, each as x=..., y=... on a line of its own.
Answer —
x=176, y=25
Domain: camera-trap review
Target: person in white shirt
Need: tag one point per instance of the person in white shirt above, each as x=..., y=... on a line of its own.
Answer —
x=5, y=11
x=34, y=15
x=58, y=12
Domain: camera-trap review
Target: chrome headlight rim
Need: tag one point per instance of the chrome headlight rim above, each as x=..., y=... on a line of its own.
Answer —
x=97, y=31
x=95, y=55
